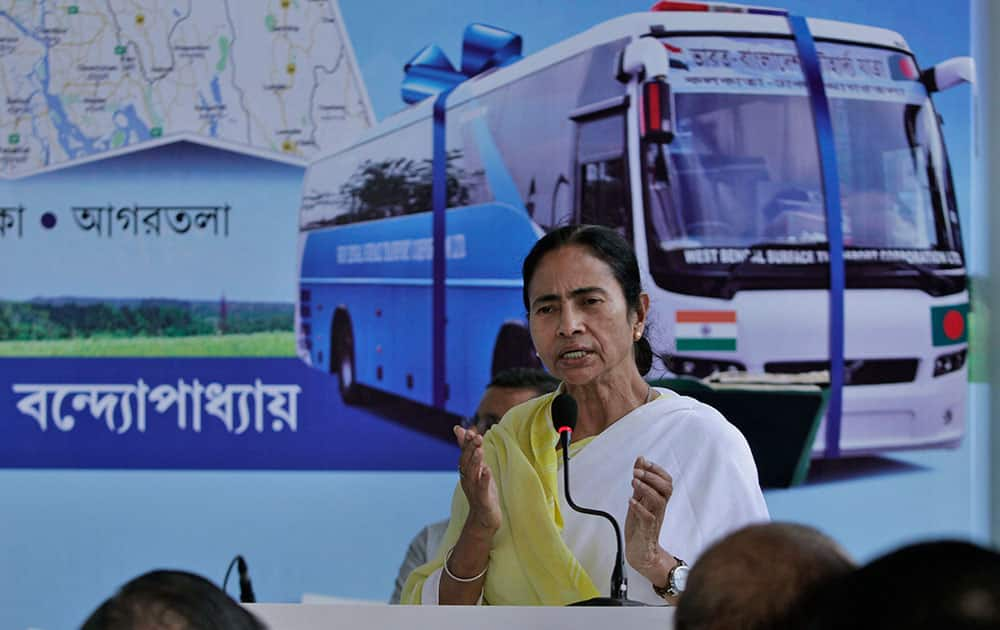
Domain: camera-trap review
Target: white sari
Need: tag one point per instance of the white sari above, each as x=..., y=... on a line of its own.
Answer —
x=714, y=478
x=715, y=485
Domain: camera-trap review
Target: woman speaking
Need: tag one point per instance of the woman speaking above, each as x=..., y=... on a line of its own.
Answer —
x=673, y=470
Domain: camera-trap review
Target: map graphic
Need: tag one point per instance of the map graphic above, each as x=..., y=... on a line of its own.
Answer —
x=84, y=80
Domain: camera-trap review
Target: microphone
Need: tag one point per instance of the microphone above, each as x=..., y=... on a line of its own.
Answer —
x=246, y=589
x=564, y=417
x=564, y=411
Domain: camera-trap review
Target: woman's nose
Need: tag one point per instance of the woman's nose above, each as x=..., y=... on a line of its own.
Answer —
x=569, y=322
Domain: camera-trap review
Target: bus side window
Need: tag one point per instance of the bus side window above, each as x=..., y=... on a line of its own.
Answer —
x=603, y=191
x=604, y=194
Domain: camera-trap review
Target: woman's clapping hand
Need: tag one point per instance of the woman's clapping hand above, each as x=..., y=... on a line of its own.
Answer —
x=477, y=482
x=652, y=487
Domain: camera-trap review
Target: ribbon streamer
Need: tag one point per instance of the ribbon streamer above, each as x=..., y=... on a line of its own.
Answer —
x=484, y=48
x=825, y=140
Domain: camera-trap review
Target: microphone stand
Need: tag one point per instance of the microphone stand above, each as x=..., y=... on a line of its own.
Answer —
x=619, y=583
x=246, y=588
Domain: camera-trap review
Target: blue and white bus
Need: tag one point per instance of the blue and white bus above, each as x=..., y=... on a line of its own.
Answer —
x=691, y=129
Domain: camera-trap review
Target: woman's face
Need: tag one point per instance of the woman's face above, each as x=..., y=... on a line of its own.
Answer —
x=581, y=325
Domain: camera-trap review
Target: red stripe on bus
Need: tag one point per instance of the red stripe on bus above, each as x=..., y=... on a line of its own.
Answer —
x=707, y=317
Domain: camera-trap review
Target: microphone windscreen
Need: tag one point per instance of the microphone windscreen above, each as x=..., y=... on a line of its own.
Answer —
x=564, y=411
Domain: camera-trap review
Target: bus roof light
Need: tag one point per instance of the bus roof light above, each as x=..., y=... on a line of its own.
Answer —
x=715, y=7
x=673, y=5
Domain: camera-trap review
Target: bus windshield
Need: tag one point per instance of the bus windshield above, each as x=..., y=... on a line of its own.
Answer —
x=743, y=168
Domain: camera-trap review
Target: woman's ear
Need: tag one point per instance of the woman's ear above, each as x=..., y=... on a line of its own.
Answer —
x=644, y=310
x=640, y=316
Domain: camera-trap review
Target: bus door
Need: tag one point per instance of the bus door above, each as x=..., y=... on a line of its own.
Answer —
x=602, y=192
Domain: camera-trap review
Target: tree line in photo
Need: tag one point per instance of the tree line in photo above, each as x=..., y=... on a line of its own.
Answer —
x=67, y=319
x=392, y=187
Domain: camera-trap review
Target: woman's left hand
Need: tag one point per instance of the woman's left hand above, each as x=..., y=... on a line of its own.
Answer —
x=651, y=490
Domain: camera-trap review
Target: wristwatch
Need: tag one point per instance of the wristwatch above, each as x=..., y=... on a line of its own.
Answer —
x=676, y=580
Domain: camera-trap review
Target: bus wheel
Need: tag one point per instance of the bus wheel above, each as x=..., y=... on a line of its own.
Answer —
x=514, y=349
x=342, y=354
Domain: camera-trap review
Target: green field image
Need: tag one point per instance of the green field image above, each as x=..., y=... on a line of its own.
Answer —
x=79, y=327
x=263, y=344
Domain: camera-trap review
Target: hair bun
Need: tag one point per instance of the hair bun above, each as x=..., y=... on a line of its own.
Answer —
x=643, y=355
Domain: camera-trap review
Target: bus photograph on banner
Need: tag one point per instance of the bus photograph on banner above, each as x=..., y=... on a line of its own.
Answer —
x=783, y=181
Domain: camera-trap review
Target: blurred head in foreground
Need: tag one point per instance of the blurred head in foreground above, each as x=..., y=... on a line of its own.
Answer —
x=171, y=600
x=753, y=578
x=931, y=585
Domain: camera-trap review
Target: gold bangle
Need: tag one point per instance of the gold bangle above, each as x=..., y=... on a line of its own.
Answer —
x=455, y=577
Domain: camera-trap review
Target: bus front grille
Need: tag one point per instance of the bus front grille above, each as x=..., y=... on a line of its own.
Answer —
x=856, y=371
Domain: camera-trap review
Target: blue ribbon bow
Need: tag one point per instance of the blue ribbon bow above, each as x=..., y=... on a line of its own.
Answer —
x=484, y=47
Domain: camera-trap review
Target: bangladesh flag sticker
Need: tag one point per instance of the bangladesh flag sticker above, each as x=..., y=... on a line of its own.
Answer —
x=950, y=324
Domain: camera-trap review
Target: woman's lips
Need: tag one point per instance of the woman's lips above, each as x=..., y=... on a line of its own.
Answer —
x=574, y=356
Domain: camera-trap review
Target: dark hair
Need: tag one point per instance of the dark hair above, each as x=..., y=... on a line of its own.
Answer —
x=609, y=247
x=941, y=584
x=174, y=600
x=525, y=378
x=754, y=577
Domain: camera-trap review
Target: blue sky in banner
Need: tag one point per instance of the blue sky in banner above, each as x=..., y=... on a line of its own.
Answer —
x=386, y=34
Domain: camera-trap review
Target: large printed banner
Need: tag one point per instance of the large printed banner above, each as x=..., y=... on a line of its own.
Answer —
x=151, y=161
x=205, y=413
x=215, y=257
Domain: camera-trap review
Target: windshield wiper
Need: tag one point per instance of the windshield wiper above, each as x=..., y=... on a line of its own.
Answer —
x=788, y=245
x=934, y=281
x=941, y=283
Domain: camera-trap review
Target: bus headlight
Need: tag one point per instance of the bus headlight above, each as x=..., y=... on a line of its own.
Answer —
x=951, y=362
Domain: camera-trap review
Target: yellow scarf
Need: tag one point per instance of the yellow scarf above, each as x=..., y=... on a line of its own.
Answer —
x=529, y=562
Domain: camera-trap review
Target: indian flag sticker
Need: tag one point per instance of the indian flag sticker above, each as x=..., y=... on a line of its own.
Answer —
x=706, y=330
x=950, y=324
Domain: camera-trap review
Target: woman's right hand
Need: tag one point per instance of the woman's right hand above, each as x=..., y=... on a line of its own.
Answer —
x=469, y=558
x=477, y=482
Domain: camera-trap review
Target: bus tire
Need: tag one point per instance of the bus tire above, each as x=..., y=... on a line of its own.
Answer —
x=514, y=349
x=342, y=355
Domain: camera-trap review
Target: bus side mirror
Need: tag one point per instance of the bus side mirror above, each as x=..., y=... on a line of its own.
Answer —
x=948, y=74
x=657, y=112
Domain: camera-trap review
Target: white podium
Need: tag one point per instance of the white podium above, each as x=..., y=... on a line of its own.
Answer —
x=361, y=617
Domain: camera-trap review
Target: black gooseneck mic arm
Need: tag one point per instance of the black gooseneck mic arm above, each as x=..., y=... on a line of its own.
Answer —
x=564, y=419
x=246, y=588
x=619, y=583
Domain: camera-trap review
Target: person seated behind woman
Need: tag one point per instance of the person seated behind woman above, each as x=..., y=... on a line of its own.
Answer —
x=171, y=600
x=670, y=468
